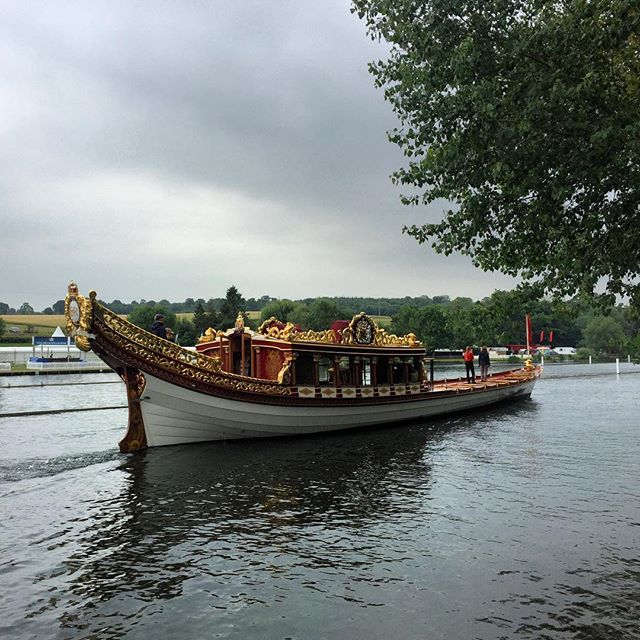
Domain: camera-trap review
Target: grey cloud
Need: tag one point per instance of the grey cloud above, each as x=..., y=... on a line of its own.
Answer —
x=268, y=99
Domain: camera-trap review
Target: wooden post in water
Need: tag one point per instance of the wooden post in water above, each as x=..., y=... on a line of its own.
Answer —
x=617, y=366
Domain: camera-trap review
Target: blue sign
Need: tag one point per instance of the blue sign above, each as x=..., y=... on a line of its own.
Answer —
x=51, y=342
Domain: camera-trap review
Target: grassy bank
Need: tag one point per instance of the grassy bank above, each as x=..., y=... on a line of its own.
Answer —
x=24, y=327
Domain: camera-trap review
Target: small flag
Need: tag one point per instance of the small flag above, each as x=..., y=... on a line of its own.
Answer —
x=551, y=336
x=542, y=336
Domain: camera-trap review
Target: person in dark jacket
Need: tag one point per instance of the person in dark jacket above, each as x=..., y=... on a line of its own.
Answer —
x=484, y=362
x=158, y=327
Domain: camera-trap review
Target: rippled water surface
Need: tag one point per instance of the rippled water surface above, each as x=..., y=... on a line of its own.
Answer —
x=523, y=521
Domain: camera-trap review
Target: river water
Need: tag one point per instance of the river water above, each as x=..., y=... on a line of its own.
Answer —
x=521, y=522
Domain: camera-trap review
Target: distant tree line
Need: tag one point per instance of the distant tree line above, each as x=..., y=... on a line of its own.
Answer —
x=439, y=322
x=24, y=309
x=500, y=320
x=372, y=306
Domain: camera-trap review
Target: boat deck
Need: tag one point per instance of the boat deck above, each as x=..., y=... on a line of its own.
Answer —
x=505, y=379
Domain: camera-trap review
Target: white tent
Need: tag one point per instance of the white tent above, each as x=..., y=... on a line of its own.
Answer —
x=58, y=333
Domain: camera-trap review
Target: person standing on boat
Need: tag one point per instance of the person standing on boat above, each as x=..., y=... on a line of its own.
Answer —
x=467, y=356
x=158, y=328
x=484, y=362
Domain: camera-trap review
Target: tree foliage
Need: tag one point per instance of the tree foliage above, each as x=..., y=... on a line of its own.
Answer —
x=523, y=114
x=203, y=318
x=604, y=335
x=499, y=320
x=321, y=314
x=232, y=305
x=58, y=307
x=285, y=310
x=185, y=333
x=429, y=323
x=200, y=318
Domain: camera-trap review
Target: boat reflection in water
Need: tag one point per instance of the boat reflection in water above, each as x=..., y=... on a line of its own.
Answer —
x=248, y=520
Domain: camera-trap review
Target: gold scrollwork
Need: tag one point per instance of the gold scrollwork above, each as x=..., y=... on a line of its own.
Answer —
x=361, y=330
x=142, y=341
x=274, y=328
x=210, y=335
x=263, y=327
x=328, y=336
x=385, y=339
x=288, y=332
x=284, y=375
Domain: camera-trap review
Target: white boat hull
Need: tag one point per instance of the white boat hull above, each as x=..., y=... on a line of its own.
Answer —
x=177, y=415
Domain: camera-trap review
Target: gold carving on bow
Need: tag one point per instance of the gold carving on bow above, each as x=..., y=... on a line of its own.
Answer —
x=78, y=312
x=172, y=358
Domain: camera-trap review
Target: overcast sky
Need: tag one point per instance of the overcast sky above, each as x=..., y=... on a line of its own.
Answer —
x=171, y=149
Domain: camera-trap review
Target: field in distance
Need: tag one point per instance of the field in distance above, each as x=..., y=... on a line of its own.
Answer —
x=34, y=320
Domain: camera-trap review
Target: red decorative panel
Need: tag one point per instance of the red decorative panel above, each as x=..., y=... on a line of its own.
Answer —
x=270, y=363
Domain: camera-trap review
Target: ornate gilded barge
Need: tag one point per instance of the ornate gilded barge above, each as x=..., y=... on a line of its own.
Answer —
x=277, y=381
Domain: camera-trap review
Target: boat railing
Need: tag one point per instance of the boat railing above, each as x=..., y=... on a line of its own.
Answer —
x=169, y=356
x=115, y=325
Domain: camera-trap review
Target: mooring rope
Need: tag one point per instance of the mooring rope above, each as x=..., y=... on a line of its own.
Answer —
x=45, y=412
x=57, y=384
